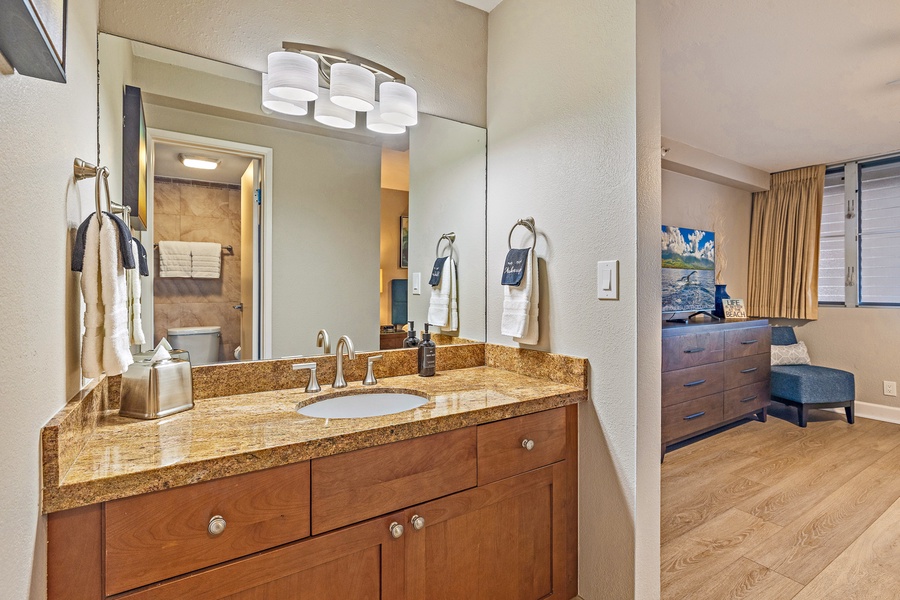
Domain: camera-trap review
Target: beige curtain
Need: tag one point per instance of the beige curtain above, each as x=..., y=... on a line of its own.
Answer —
x=784, y=245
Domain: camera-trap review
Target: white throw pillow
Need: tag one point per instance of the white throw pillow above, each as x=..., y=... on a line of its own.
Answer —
x=792, y=354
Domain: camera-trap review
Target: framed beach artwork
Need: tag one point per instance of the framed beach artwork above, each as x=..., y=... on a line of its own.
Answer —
x=688, y=269
x=404, y=242
x=33, y=37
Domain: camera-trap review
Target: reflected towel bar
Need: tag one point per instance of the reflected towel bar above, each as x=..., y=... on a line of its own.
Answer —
x=229, y=249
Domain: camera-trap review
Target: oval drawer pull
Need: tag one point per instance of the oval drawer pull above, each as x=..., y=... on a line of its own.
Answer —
x=693, y=383
x=750, y=370
x=750, y=399
x=695, y=415
x=216, y=525
x=694, y=350
x=528, y=444
x=748, y=342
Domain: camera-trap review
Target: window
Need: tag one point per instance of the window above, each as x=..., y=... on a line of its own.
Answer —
x=859, y=241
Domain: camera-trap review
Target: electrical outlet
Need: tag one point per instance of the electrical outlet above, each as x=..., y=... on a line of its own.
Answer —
x=890, y=388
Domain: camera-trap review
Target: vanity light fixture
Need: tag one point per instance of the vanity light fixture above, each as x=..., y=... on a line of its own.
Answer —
x=272, y=103
x=349, y=84
x=198, y=162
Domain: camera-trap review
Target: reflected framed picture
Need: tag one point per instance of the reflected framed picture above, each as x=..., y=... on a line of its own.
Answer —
x=134, y=157
x=404, y=242
x=33, y=37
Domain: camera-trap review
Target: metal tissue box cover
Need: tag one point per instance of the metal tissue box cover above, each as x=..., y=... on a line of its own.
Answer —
x=151, y=390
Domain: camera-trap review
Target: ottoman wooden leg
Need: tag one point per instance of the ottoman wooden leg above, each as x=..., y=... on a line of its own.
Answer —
x=802, y=414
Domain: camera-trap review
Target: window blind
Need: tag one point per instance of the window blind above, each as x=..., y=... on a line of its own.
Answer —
x=879, y=232
x=831, y=240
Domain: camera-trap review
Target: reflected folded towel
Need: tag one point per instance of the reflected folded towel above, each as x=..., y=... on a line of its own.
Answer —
x=206, y=260
x=520, y=306
x=114, y=292
x=443, y=309
x=133, y=279
x=174, y=259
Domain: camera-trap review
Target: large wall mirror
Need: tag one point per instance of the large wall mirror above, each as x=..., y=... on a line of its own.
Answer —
x=320, y=228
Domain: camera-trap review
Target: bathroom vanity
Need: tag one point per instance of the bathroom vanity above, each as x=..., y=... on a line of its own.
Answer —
x=472, y=495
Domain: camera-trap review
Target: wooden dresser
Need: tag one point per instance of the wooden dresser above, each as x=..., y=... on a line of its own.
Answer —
x=713, y=374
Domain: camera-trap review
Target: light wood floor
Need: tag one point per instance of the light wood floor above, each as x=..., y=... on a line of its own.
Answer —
x=772, y=511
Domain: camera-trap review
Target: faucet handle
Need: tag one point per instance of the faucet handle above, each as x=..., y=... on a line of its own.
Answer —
x=313, y=385
x=370, y=370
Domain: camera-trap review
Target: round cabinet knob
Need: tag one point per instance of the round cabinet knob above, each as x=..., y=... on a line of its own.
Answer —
x=396, y=530
x=528, y=444
x=418, y=522
x=216, y=525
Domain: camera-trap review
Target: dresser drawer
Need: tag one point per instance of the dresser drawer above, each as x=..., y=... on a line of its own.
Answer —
x=691, y=350
x=351, y=487
x=746, y=399
x=747, y=370
x=748, y=341
x=503, y=446
x=159, y=535
x=689, y=417
x=694, y=382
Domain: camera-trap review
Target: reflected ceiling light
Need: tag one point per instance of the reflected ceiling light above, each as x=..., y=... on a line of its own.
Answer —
x=399, y=104
x=280, y=105
x=199, y=162
x=375, y=123
x=329, y=113
x=351, y=84
x=293, y=76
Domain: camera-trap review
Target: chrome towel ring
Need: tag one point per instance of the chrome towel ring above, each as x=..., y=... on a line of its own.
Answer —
x=450, y=237
x=527, y=223
x=85, y=170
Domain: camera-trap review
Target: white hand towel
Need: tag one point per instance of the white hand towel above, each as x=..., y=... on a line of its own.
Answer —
x=174, y=259
x=114, y=292
x=520, y=306
x=206, y=260
x=443, y=308
x=92, y=341
x=133, y=277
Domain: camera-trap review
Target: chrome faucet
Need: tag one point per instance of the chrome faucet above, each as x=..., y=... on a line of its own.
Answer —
x=323, y=342
x=343, y=343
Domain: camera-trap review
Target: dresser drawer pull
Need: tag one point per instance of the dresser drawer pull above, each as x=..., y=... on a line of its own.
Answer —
x=694, y=350
x=750, y=399
x=748, y=342
x=695, y=415
x=750, y=370
x=216, y=525
x=693, y=383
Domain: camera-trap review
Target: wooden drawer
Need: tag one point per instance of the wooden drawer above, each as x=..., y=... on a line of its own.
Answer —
x=747, y=370
x=159, y=535
x=695, y=382
x=689, y=417
x=501, y=445
x=691, y=350
x=746, y=399
x=351, y=487
x=748, y=341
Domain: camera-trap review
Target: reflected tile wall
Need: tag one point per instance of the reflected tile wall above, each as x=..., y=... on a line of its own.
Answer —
x=194, y=211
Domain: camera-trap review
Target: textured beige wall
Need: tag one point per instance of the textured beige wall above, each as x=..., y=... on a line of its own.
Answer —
x=696, y=203
x=394, y=204
x=566, y=154
x=44, y=127
x=439, y=45
x=198, y=212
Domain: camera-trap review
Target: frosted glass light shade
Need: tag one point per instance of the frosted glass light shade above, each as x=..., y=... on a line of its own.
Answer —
x=329, y=113
x=399, y=104
x=293, y=76
x=353, y=87
x=375, y=123
x=280, y=105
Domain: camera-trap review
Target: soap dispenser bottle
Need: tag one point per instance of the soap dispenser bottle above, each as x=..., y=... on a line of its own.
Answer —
x=411, y=340
x=427, y=354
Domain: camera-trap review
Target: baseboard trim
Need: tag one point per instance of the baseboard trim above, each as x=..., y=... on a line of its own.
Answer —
x=878, y=412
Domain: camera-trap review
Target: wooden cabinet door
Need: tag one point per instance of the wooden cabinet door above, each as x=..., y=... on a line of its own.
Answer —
x=363, y=562
x=503, y=540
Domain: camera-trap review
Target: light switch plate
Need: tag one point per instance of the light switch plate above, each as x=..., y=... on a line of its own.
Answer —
x=608, y=280
x=417, y=284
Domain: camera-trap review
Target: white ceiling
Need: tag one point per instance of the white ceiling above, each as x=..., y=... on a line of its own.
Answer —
x=485, y=5
x=777, y=84
x=166, y=164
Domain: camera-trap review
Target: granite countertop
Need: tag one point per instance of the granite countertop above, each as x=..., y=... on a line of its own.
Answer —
x=237, y=434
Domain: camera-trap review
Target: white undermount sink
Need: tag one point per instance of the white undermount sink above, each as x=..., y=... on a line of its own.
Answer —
x=358, y=406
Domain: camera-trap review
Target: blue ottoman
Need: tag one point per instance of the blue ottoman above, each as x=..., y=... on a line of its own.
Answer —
x=809, y=386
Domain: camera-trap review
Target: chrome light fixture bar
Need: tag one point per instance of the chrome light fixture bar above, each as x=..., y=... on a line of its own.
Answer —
x=349, y=83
